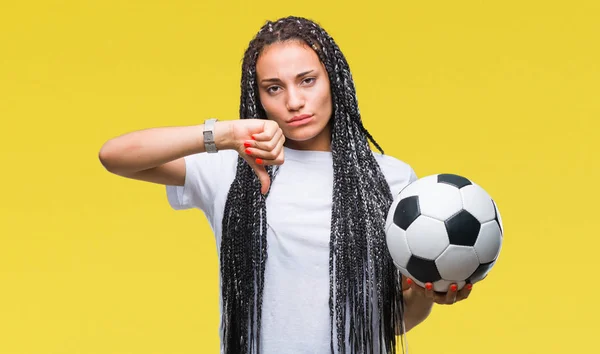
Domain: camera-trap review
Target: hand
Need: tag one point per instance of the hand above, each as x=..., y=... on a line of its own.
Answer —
x=450, y=297
x=260, y=143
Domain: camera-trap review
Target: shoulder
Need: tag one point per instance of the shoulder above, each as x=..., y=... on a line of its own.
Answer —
x=393, y=166
x=397, y=172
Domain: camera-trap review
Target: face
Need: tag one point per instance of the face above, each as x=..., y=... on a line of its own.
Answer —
x=294, y=91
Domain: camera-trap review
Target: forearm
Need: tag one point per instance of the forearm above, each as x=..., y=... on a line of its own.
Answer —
x=145, y=149
x=416, y=309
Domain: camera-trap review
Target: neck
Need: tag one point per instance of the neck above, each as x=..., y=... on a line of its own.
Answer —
x=306, y=145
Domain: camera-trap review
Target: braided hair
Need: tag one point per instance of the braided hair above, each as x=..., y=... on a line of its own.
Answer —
x=362, y=275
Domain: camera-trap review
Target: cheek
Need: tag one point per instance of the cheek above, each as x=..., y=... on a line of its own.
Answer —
x=325, y=100
x=270, y=105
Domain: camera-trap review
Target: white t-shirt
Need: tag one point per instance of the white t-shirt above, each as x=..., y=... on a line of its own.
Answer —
x=295, y=316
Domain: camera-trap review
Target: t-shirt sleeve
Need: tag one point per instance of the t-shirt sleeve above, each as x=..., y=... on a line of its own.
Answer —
x=413, y=176
x=205, y=174
x=397, y=173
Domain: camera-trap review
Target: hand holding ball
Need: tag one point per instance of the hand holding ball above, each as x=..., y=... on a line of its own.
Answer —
x=444, y=229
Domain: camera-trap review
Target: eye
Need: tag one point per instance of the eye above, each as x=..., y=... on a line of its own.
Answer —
x=309, y=80
x=271, y=89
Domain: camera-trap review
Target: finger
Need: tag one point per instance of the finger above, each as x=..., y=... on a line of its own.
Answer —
x=261, y=154
x=464, y=292
x=278, y=150
x=450, y=296
x=277, y=161
x=415, y=287
x=267, y=153
x=265, y=159
x=271, y=157
x=269, y=130
x=263, y=177
x=429, y=291
x=405, y=283
x=267, y=145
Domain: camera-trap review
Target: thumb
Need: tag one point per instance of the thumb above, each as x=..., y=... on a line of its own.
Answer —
x=263, y=177
x=406, y=283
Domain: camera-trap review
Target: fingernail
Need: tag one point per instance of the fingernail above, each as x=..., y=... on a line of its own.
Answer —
x=247, y=144
x=253, y=138
x=469, y=286
x=428, y=286
x=248, y=152
x=409, y=281
x=259, y=161
x=453, y=287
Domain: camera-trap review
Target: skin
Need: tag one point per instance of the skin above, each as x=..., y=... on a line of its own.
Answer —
x=293, y=81
x=284, y=94
x=156, y=155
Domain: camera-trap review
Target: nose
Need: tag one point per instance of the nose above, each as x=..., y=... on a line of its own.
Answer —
x=295, y=100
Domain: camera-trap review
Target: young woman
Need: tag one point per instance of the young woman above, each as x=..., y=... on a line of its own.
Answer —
x=304, y=264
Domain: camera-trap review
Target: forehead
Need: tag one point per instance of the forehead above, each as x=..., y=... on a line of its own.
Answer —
x=286, y=58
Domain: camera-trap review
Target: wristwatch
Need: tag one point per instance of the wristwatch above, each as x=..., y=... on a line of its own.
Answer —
x=209, y=136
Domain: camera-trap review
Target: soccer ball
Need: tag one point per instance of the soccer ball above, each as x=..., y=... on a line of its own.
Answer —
x=444, y=229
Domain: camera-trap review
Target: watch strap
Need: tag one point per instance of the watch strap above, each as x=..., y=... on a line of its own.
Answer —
x=209, y=136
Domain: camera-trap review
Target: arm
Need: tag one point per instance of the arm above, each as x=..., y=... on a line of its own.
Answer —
x=416, y=309
x=419, y=301
x=156, y=154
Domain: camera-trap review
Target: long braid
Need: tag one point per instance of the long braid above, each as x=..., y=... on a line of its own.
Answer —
x=360, y=268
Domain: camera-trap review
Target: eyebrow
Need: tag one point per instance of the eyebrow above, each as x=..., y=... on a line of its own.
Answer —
x=274, y=79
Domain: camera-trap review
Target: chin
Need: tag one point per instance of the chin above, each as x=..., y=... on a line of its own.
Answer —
x=301, y=134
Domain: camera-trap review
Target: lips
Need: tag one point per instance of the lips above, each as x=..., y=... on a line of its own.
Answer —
x=300, y=117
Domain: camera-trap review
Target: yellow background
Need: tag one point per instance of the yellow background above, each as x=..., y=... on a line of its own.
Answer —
x=506, y=93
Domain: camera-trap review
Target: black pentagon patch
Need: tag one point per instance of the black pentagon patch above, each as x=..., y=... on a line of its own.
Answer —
x=481, y=272
x=453, y=180
x=462, y=229
x=496, y=217
x=406, y=212
x=423, y=270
